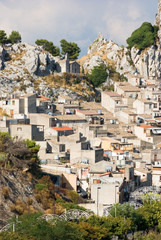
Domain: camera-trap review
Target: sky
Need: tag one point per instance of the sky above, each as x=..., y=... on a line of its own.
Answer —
x=77, y=21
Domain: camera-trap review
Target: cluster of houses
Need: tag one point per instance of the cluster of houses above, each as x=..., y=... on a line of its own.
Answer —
x=104, y=151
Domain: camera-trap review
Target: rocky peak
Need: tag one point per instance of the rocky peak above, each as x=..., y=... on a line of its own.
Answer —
x=97, y=44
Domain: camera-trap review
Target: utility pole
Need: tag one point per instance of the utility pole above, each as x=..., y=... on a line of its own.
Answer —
x=98, y=200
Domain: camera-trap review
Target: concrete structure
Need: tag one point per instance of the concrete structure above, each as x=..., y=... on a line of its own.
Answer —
x=27, y=131
x=143, y=106
x=72, y=121
x=59, y=131
x=19, y=105
x=126, y=90
x=148, y=133
x=82, y=151
x=42, y=119
x=126, y=116
x=44, y=105
x=156, y=174
x=112, y=101
x=67, y=179
x=114, y=145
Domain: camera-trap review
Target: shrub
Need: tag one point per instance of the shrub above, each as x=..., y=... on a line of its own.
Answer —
x=5, y=192
x=98, y=75
x=40, y=187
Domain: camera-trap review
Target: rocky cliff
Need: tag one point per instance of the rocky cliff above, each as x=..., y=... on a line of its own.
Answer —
x=16, y=190
x=126, y=61
x=29, y=68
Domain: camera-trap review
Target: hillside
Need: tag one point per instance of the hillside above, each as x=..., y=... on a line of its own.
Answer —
x=28, y=68
x=124, y=60
x=16, y=187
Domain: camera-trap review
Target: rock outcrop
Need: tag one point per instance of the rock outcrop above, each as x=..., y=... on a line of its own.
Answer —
x=124, y=60
x=15, y=185
x=25, y=68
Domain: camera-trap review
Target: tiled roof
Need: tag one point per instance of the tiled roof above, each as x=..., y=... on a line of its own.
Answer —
x=59, y=129
x=45, y=98
x=146, y=126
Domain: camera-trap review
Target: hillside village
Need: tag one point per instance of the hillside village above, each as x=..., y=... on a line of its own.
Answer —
x=104, y=150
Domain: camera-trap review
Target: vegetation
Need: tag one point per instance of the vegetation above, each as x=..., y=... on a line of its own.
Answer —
x=98, y=75
x=128, y=211
x=3, y=37
x=48, y=46
x=66, y=47
x=143, y=37
x=16, y=154
x=78, y=84
x=71, y=48
x=15, y=37
x=124, y=219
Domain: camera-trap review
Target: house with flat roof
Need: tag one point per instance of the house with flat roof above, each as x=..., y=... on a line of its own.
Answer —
x=144, y=106
x=114, y=145
x=126, y=90
x=112, y=101
x=58, y=131
x=148, y=133
x=126, y=116
x=14, y=104
x=27, y=131
x=70, y=120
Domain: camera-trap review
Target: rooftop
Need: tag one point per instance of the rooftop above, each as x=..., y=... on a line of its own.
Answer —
x=59, y=129
x=112, y=94
x=70, y=117
x=146, y=126
x=88, y=112
x=44, y=98
x=108, y=139
x=127, y=87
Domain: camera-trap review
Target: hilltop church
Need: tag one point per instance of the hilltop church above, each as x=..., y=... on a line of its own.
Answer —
x=67, y=66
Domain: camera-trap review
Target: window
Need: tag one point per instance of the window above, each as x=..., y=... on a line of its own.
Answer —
x=13, y=102
x=62, y=148
x=19, y=129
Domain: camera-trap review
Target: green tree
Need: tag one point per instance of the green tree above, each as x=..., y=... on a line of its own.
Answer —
x=151, y=212
x=34, y=148
x=3, y=37
x=66, y=230
x=93, y=232
x=48, y=46
x=33, y=226
x=128, y=211
x=14, y=236
x=98, y=75
x=143, y=37
x=114, y=225
x=71, y=48
x=15, y=37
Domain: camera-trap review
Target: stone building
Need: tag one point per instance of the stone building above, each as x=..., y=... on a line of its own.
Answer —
x=65, y=66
